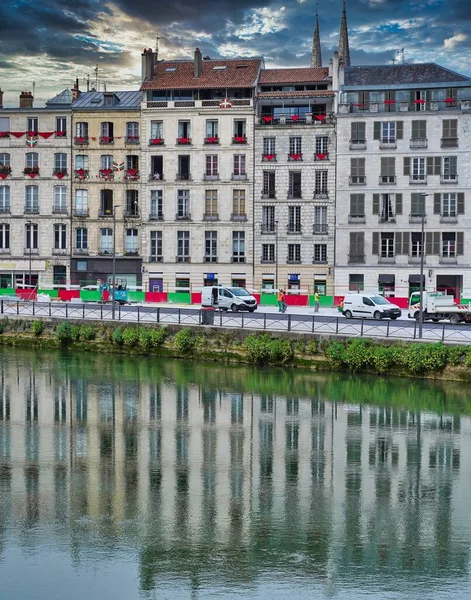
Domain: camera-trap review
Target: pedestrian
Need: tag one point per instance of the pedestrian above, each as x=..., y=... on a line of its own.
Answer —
x=284, y=304
x=316, y=302
x=280, y=300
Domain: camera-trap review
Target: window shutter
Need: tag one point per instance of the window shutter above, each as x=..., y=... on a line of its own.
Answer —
x=436, y=242
x=429, y=165
x=453, y=165
x=384, y=165
x=445, y=129
x=414, y=204
x=438, y=164
x=400, y=130
x=361, y=205
x=354, y=132
x=454, y=128
x=361, y=243
x=423, y=130
x=361, y=131
x=405, y=242
x=375, y=243
x=353, y=167
x=376, y=204
x=377, y=130
x=398, y=204
x=406, y=165
x=353, y=244
x=429, y=242
x=415, y=130
x=361, y=167
x=437, y=201
x=460, y=203
x=398, y=242
x=459, y=242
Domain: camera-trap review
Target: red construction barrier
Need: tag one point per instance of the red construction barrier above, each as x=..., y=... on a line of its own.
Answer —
x=67, y=295
x=257, y=298
x=26, y=294
x=297, y=300
x=156, y=297
x=196, y=298
x=401, y=302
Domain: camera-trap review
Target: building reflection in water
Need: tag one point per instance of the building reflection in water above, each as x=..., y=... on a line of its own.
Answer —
x=185, y=471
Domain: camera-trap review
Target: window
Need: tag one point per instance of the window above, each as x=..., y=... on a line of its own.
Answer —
x=238, y=204
x=132, y=131
x=183, y=204
x=106, y=132
x=419, y=130
x=268, y=190
x=357, y=206
x=295, y=145
x=416, y=244
x=31, y=236
x=238, y=246
x=212, y=128
x=210, y=246
x=32, y=160
x=320, y=253
x=448, y=245
x=268, y=253
x=357, y=247
x=81, y=238
x=60, y=236
x=418, y=169
x=240, y=128
x=321, y=184
x=106, y=203
x=357, y=171
x=31, y=199
x=417, y=205
x=4, y=198
x=388, y=132
x=156, y=246
x=294, y=253
x=157, y=167
x=32, y=125
x=356, y=282
x=184, y=130
x=4, y=160
x=131, y=241
x=294, y=184
x=81, y=130
x=156, y=130
x=322, y=144
x=132, y=163
x=4, y=236
x=387, y=245
x=320, y=219
x=60, y=199
x=388, y=169
x=358, y=133
x=106, y=240
x=183, y=168
x=450, y=133
x=60, y=161
x=269, y=146
x=239, y=165
x=132, y=203
x=61, y=125
x=4, y=124
x=268, y=219
x=183, y=246
x=81, y=162
x=108, y=99
x=106, y=162
x=212, y=165
x=294, y=219
x=211, y=204
x=450, y=172
x=387, y=206
x=449, y=205
x=81, y=202
x=82, y=265
x=156, y=204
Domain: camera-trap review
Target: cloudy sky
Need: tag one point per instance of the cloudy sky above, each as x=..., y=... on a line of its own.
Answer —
x=51, y=42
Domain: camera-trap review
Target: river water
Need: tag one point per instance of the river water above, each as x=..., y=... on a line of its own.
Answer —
x=131, y=478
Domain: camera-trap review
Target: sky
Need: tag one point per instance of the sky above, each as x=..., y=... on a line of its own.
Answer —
x=51, y=42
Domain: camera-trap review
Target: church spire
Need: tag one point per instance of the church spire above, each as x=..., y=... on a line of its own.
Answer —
x=344, y=48
x=316, y=56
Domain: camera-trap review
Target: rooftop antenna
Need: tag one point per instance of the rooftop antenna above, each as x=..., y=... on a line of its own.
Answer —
x=157, y=38
x=96, y=77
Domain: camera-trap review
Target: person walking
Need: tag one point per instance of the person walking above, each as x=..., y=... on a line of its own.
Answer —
x=316, y=302
x=280, y=300
x=284, y=304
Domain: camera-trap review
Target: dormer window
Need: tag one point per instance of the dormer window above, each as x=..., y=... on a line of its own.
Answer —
x=110, y=99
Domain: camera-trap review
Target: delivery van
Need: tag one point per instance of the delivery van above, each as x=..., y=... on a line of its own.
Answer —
x=228, y=298
x=368, y=306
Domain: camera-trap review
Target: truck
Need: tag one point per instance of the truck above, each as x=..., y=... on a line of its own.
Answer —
x=437, y=307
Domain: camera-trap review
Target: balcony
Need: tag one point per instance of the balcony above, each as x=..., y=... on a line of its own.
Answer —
x=321, y=156
x=156, y=177
x=320, y=229
x=82, y=251
x=156, y=142
x=182, y=259
x=269, y=157
x=449, y=142
x=417, y=218
x=321, y=194
x=5, y=170
x=131, y=139
x=294, y=195
x=59, y=210
x=211, y=177
x=239, y=139
x=387, y=180
x=448, y=259
x=267, y=261
x=132, y=175
x=418, y=143
x=4, y=210
x=238, y=217
x=105, y=250
x=80, y=212
x=293, y=156
x=266, y=195
x=156, y=258
x=386, y=260
x=357, y=180
x=414, y=259
x=293, y=260
x=388, y=144
x=131, y=252
x=31, y=172
x=210, y=217
x=294, y=229
x=81, y=140
x=81, y=173
x=132, y=213
x=60, y=173
x=106, y=174
x=31, y=210
x=238, y=259
x=420, y=179
x=106, y=140
x=387, y=219
x=448, y=218
x=183, y=177
x=449, y=178
x=156, y=216
x=60, y=252
x=211, y=140
x=357, y=145
x=105, y=213
x=29, y=251
x=60, y=134
x=319, y=261
x=183, y=141
x=210, y=259
x=183, y=216
x=239, y=177
x=5, y=251
x=357, y=218
x=268, y=228
x=356, y=259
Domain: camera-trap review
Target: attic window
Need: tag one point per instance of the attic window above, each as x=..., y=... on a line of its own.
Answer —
x=220, y=68
x=108, y=99
x=242, y=66
x=96, y=100
x=170, y=69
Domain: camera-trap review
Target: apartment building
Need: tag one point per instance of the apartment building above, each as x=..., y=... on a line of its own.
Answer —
x=106, y=212
x=198, y=125
x=294, y=200
x=35, y=188
x=403, y=153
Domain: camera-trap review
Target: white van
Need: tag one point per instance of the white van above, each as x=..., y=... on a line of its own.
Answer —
x=228, y=298
x=366, y=306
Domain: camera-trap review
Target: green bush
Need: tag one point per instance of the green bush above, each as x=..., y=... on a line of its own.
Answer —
x=312, y=347
x=358, y=354
x=145, y=339
x=467, y=357
x=117, y=336
x=456, y=355
x=185, y=341
x=418, y=358
x=336, y=354
x=75, y=333
x=382, y=358
x=64, y=333
x=87, y=333
x=130, y=337
x=37, y=327
x=264, y=350
x=158, y=336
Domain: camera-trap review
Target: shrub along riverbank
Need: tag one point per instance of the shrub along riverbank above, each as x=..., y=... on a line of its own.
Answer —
x=237, y=346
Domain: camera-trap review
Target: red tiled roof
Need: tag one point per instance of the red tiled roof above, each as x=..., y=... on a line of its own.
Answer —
x=302, y=94
x=307, y=75
x=240, y=73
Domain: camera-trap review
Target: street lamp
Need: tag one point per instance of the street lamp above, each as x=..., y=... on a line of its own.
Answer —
x=276, y=255
x=422, y=252
x=113, y=301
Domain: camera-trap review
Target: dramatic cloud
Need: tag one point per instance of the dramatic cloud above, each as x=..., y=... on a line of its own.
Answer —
x=51, y=42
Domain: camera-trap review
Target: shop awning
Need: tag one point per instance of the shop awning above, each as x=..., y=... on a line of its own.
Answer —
x=415, y=279
x=386, y=279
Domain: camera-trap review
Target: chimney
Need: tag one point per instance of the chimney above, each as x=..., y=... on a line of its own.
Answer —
x=1, y=99
x=26, y=100
x=198, y=63
x=147, y=70
x=75, y=91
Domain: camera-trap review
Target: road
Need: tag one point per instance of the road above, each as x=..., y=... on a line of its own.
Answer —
x=297, y=320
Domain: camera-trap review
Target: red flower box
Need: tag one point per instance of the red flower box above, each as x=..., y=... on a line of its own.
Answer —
x=31, y=171
x=389, y=102
x=183, y=141
x=450, y=100
x=322, y=156
x=239, y=139
x=61, y=133
x=156, y=142
x=269, y=157
x=295, y=156
x=4, y=134
x=267, y=119
x=81, y=140
x=81, y=173
x=211, y=140
x=295, y=118
x=60, y=173
x=106, y=140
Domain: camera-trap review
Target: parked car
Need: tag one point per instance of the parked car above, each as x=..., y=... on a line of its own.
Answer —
x=369, y=305
x=228, y=298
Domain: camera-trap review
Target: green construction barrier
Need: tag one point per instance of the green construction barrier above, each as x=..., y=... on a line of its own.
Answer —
x=324, y=301
x=179, y=297
x=136, y=296
x=50, y=293
x=268, y=300
x=7, y=292
x=465, y=301
x=90, y=295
